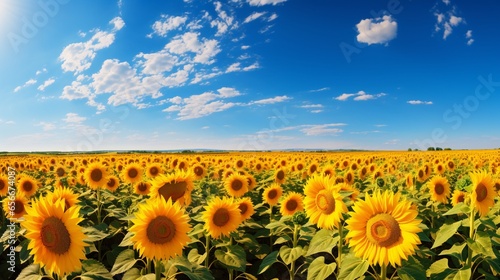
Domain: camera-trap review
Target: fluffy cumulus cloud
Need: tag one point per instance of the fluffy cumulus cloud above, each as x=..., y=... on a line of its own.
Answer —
x=78, y=57
x=73, y=118
x=448, y=21
x=377, y=30
x=359, y=96
x=166, y=24
x=264, y=2
x=419, y=102
x=205, y=49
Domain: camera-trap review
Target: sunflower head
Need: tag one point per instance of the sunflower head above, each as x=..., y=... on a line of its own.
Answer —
x=222, y=216
x=272, y=194
x=457, y=197
x=153, y=170
x=246, y=208
x=96, y=175
x=439, y=188
x=236, y=185
x=132, y=173
x=280, y=176
x=199, y=171
x=160, y=229
x=142, y=188
x=56, y=239
x=17, y=209
x=176, y=186
x=113, y=183
x=4, y=185
x=291, y=203
x=67, y=195
x=483, y=192
x=28, y=185
x=383, y=229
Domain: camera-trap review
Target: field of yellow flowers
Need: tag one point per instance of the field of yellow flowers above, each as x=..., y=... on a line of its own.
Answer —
x=254, y=215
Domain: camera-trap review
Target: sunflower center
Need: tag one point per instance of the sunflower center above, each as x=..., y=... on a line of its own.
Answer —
x=439, y=189
x=55, y=236
x=173, y=190
x=291, y=205
x=154, y=171
x=142, y=187
x=111, y=183
x=2, y=184
x=421, y=174
x=280, y=175
x=198, y=171
x=27, y=186
x=60, y=172
x=221, y=217
x=481, y=192
x=461, y=198
x=96, y=175
x=243, y=208
x=349, y=177
x=236, y=185
x=272, y=194
x=325, y=202
x=18, y=207
x=383, y=230
x=132, y=173
x=160, y=230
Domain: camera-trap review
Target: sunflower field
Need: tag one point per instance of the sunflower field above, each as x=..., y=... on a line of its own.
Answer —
x=251, y=215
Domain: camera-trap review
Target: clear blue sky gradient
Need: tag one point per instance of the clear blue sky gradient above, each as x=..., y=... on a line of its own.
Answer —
x=249, y=74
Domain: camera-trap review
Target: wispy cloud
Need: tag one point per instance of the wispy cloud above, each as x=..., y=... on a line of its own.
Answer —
x=419, y=102
x=27, y=84
x=272, y=100
x=253, y=16
x=264, y=2
x=359, y=96
x=320, y=89
x=45, y=84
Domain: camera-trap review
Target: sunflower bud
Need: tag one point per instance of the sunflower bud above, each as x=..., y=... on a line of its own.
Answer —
x=380, y=182
x=299, y=218
x=126, y=203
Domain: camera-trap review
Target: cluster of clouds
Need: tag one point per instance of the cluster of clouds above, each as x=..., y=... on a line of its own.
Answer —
x=359, y=96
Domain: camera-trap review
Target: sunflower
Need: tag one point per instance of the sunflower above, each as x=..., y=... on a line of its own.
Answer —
x=153, y=170
x=451, y=165
x=96, y=175
x=113, y=183
x=142, y=188
x=439, y=188
x=422, y=175
x=349, y=177
x=222, y=216
x=328, y=171
x=410, y=182
x=132, y=173
x=323, y=203
x=4, y=185
x=246, y=208
x=56, y=239
x=280, y=176
x=291, y=203
x=28, y=185
x=177, y=186
x=383, y=229
x=272, y=194
x=17, y=207
x=236, y=185
x=363, y=172
x=496, y=186
x=349, y=188
x=60, y=171
x=457, y=197
x=439, y=169
x=483, y=192
x=199, y=171
x=69, y=197
x=251, y=182
x=160, y=229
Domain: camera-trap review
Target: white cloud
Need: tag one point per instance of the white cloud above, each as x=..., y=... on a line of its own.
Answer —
x=272, y=100
x=226, y=92
x=419, y=102
x=46, y=126
x=272, y=17
x=447, y=2
x=73, y=118
x=359, y=96
x=322, y=129
x=200, y=76
x=468, y=36
x=27, y=84
x=78, y=57
x=38, y=72
x=224, y=22
x=6, y=122
x=310, y=106
x=157, y=63
x=320, y=89
x=264, y=2
x=205, y=127
x=245, y=47
x=447, y=21
x=253, y=17
x=45, y=84
x=169, y=23
x=205, y=49
x=377, y=31
x=236, y=67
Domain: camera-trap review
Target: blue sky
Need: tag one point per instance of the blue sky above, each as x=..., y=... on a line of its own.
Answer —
x=248, y=74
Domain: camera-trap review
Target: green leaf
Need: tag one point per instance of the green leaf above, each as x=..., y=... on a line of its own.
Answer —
x=352, y=267
x=445, y=233
x=94, y=270
x=232, y=256
x=195, y=257
x=463, y=274
x=125, y=261
x=31, y=272
x=319, y=270
x=282, y=240
x=93, y=234
x=460, y=208
x=132, y=274
x=201, y=273
x=127, y=240
x=289, y=255
x=323, y=241
x=24, y=254
x=268, y=261
x=482, y=244
x=455, y=251
x=494, y=265
x=437, y=267
x=411, y=271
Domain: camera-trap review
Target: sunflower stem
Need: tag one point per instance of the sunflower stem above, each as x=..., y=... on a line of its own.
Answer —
x=383, y=272
x=270, y=230
x=158, y=270
x=148, y=267
x=207, y=250
x=471, y=236
x=98, y=202
x=340, y=245
x=295, y=240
